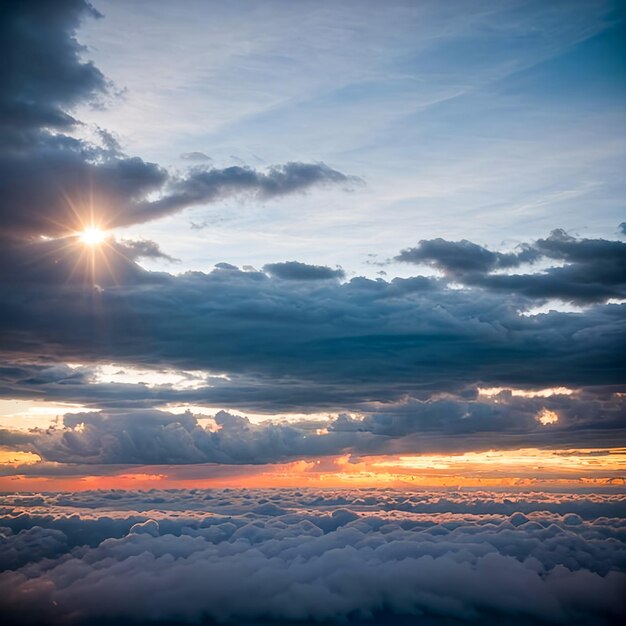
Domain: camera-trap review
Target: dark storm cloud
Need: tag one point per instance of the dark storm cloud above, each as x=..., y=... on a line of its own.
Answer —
x=323, y=556
x=301, y=340
x=294, y=270
x=42, y=73
x=53, y=183
x=594, y=270
x=286, y=345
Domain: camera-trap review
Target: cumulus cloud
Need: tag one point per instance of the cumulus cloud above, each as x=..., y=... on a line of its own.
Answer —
x=593, y=270
x=451, y=425
x=460, y=257
x=159, y=437
x=296, y=556
x=294, y=270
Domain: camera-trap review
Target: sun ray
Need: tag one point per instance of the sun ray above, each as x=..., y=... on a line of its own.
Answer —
x=92, y=236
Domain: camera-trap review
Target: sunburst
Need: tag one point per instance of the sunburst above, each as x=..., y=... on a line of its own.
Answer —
x=92, y=236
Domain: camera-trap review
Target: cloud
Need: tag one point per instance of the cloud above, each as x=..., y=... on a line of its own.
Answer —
x=283, y=339
x=298, y=555
x=45, y=75
x=78, y=181
x=461, y=257
x=138, y=436
x=142, y=249
x=201, y=186
x=299, y=343
x=195, y=156
x=593, y=270
x=294, y=270
x=159, y=437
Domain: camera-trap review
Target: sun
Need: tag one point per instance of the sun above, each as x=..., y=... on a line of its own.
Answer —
x=92, y=236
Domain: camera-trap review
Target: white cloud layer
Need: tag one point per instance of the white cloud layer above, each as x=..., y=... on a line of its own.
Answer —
x=371, y=556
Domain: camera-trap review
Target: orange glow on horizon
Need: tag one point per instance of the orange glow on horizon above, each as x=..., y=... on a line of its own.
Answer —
x=531, y=468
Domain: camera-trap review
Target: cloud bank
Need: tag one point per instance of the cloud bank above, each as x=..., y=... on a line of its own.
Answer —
x=310, y=342
x=451, y=425
x=288, y=556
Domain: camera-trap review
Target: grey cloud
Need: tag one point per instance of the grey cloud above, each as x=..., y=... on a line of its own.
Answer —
x=593, y=270
x=461, y=257
x=315, y=343
x=30, y=544
x=227, y=267
x=290, y=556
x=290, y=345
x=155, y=437
x=202, y=186
x=143, y=248
x=294, y=270
x=195, y=156
x=72, y=177
x=68, y=511
x=67, y=263
x=149, y=437
x=42, y=74
x=43, y=77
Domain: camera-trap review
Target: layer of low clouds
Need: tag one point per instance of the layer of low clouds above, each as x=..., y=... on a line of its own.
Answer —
x=285, y=556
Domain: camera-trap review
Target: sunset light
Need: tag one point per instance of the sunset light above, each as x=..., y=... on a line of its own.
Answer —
x=312, y=313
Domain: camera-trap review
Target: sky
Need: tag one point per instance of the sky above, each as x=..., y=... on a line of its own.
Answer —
x=247, y=244
x=312, y=312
